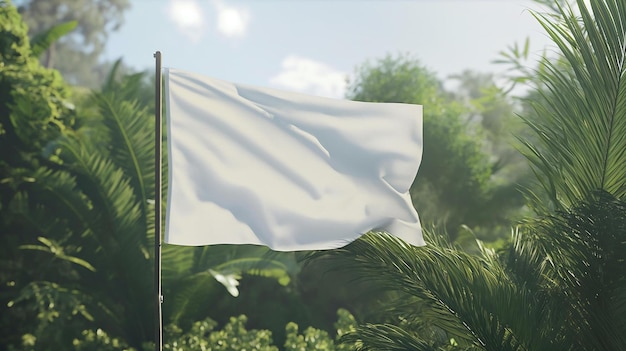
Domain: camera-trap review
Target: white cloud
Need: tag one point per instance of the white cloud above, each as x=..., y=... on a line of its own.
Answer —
x=232, y=22
x=188, y=17
x=190, y=20
x=309, y=76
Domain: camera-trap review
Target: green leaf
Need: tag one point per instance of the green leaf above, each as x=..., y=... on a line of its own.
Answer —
x=42, y=41
x=580, y=119
x=58, y=251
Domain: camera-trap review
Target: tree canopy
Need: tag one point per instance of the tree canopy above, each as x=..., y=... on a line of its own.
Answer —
x=454, y=186
x=76, y=56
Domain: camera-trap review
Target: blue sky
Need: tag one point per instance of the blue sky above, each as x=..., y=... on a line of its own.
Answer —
x=311, y=46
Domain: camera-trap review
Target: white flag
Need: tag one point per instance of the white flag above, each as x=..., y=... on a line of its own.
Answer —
x=289, y=171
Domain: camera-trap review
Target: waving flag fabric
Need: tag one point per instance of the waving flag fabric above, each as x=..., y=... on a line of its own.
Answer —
x=290, y=171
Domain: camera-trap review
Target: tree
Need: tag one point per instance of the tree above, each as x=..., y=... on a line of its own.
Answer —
x=76, y=56
x=489, y=107
x=495, y=112
x=34, y=113
x=560, y=284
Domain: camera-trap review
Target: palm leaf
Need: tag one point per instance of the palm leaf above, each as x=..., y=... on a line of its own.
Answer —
x=572, y=256
x=247, y=259
x=592, y=236
x=177, y=262
x=131, y=132
x=107, y=187
x=471, y=297
x=58, y=251
x=371, y=337
x=42, y=41
x=581, y=122
x=256, y=265
x=109, y=82
x=190, y=274
x=54, y=205
x=190, y=296
x=117, y=242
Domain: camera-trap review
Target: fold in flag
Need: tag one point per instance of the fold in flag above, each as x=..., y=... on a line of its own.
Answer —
x=293, y=172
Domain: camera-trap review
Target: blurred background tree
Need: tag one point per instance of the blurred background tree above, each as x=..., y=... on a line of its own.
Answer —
x=77, y=56
x=467, y=177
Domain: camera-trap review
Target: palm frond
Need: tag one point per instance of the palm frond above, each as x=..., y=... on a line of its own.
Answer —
x=256, y=266
x=372, y=337
x=109, y=190
x=591, y=239
x=117, y=242
x=109, y=82
x=469, y=296
x=582, y=118
x=42, y=41
x=245, y=259
x=190, y=273
x=58, y=251
x=191, y=296
x=177, y=262
x=52, y=203
x=129, y=128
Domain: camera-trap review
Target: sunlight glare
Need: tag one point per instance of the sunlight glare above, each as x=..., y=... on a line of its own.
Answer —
x=186, y=13
x=232, y=22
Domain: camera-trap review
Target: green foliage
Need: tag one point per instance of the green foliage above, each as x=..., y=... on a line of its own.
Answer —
x=99, y=340
x=574, y=259
x=77, y=190
x=76, y=56
x=398, y=79
x=42, y=41
x=438, y=286
x=52, y=247
x=455, y=184
x=33, y=98
x=234, y=337
x=202, y=335
x=311, y=339
x=58, y=310
x=315, y=339
x=34, y=113
x=77, y=195
x=580, y=122
x=14, y=44
x=560, y=284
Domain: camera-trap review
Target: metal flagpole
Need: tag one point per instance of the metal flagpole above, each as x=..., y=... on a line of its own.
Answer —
x=158, y=136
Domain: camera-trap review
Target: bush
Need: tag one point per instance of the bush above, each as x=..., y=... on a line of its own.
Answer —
x=202, y=336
